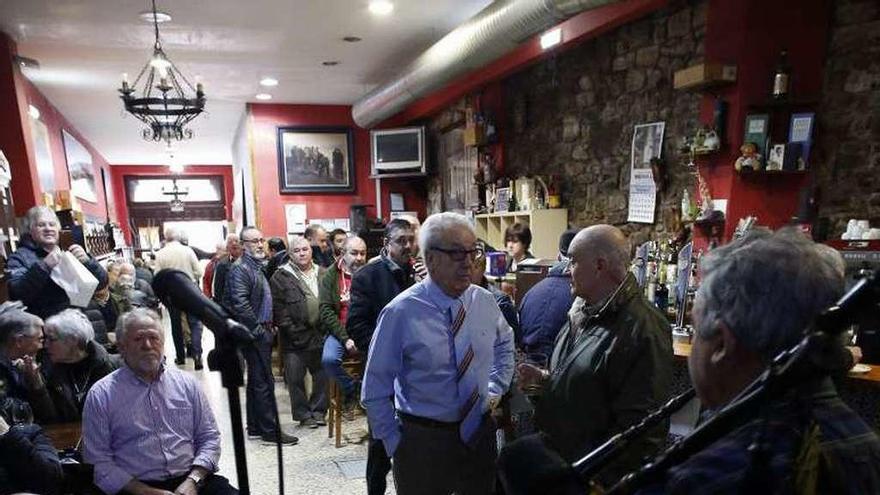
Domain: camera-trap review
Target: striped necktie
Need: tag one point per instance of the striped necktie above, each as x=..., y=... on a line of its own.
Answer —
x=466, y=378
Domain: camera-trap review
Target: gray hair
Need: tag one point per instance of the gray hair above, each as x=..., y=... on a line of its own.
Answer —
x=351, y=240
x=15, y=321
x=34, y=214
x=72, y=325
x=296, y=239
x=137, y=314
x=172, y=234
x=767, y=288
x=431, y=233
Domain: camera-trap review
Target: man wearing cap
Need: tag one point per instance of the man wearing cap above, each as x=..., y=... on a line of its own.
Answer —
x=544, y=309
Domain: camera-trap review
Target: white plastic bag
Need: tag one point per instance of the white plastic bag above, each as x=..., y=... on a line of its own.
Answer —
x=76, y=280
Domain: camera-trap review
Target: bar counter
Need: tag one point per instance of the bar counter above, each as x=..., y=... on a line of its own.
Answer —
x=861, y=391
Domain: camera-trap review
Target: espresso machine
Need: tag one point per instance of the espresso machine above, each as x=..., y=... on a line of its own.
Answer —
x=861, y=257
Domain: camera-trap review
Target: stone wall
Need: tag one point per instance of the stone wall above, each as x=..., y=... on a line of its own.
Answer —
x=848, y=120
x=573, y=115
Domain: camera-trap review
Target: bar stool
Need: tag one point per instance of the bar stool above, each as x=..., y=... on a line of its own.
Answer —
x=355, y=368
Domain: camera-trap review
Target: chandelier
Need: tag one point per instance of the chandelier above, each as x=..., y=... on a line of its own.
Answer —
x=161, y=96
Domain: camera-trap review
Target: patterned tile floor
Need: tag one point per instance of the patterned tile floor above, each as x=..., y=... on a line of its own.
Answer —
x=314, y=467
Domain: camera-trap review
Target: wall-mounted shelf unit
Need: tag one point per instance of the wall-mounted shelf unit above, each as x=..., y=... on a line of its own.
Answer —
x=546, y=227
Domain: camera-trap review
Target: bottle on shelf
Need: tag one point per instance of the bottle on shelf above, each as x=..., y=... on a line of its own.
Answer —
x=782, y=76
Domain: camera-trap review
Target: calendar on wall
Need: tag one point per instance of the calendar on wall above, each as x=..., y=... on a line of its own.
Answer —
x=647, y=143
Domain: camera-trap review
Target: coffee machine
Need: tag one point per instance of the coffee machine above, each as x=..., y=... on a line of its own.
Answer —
x=862, y=257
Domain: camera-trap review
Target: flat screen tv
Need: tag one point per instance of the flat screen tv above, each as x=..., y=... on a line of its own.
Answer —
x=398, y=151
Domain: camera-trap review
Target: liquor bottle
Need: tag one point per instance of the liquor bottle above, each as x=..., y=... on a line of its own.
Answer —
x=782, y=77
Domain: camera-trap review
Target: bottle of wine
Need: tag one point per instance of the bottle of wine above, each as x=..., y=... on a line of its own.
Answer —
x=782, y=77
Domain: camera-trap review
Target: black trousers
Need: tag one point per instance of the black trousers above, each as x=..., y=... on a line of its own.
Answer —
x=213, y=485
x=432, y=460
x=295, y=365
x=260, y=386
x=378, y=465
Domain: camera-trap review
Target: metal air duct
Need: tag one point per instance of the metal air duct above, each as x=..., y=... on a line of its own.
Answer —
x=493, y=32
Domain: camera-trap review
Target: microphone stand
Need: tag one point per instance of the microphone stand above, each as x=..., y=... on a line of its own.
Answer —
x=224, y=358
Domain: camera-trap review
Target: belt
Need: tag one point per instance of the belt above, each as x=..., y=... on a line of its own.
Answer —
x=427, y=422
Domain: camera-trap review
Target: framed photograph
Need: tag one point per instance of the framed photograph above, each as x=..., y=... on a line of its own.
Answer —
x=502, y=199
x=79, y=166
x=315, y=159
x=397, y=203
x=801, y=131
x=757, y=128
x=776, y=157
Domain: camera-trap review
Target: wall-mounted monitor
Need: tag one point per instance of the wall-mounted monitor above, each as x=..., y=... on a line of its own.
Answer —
x=398, y=151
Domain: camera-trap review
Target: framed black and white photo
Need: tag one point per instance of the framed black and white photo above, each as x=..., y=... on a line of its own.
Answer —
x=315, y=159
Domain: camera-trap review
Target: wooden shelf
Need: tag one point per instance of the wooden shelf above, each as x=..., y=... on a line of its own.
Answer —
x=546, y=226
x=771, y=173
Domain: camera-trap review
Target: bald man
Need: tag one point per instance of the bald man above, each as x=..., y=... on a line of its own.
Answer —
x=611, y=363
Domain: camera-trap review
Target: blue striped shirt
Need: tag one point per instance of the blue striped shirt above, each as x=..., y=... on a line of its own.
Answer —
x=412, y=360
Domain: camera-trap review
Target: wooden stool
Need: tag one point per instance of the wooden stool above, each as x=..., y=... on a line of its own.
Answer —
x=355, y=369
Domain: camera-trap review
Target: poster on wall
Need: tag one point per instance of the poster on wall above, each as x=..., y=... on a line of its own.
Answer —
x=79, y=166
x=647, y=143
x=295, y=214
x=45, y=167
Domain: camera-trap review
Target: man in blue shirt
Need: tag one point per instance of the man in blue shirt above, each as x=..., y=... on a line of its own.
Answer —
x=440, y=359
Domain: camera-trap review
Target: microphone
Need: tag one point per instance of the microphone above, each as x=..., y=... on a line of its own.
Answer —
x=176, y=289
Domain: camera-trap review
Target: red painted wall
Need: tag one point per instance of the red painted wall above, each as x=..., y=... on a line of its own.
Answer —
x=266, y=118
x=16, y=93
x=119, y=172
x=735, y=35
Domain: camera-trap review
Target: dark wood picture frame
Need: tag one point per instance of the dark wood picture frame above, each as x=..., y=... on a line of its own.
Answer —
x=315, y=160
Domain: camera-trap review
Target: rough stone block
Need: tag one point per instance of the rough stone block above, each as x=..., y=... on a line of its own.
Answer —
x=647, y=57
x=581, y=152
x=859, y=81
x=571, y=128
x=585, y=83
x=701, y=11
x=679, y=24
x=846, y=13
x=585, y=99
x=620, y=63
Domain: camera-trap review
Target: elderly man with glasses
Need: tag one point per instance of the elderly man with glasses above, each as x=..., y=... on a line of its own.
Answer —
x=440, y=360
x=21, y=336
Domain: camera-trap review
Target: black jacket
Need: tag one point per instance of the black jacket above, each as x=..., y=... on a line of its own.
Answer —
x=244, y=294
x=275, y=262
x=29, y=462
x=372, y=287
x=221, y=272
x=103, y=318
x=11, y=382
x=30, y=281
x=63, y=397
x=295, y=312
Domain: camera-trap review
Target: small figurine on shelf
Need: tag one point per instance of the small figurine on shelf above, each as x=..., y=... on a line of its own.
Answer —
x=554, y=197
x=712, y=141
x=750, y=159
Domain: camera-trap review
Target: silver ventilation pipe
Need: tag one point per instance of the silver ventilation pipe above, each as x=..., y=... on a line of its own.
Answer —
x=493, y=32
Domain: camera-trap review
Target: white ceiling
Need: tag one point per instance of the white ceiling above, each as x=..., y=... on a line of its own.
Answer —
x=84, y=46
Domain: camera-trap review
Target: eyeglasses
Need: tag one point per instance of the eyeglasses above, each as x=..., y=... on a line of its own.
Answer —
x=461, y=254
x=403, y=240
x=256, y=241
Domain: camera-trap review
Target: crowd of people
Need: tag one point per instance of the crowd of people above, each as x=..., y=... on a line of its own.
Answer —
x=444, y=352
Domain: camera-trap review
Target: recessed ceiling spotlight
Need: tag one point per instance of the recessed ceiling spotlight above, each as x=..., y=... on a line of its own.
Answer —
x=268, y=81
x=264, y=96
x=551, y=38
x=330, y=63
x=34, y=112
x=351, y=39
x=147, y=16
x=381, y=7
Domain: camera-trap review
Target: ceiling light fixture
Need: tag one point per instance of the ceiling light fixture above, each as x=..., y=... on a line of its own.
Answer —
x=154, y=17
x=34, y=112
x=330, y=63
x=351, y=39
x=381, y=7
x=268, y=81
x=167, y=102
x=264, y=96
x=551, y=38
x=176, y=204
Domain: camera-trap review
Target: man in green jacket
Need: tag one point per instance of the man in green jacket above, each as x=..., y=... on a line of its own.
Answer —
x=611, y=364
x=335, y=293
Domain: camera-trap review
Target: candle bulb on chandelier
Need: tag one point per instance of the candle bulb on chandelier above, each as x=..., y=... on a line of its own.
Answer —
x=125, y=81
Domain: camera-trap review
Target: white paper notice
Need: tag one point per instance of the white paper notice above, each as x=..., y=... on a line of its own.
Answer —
x=295, y=214
x=642, y=196
x=647, y=143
